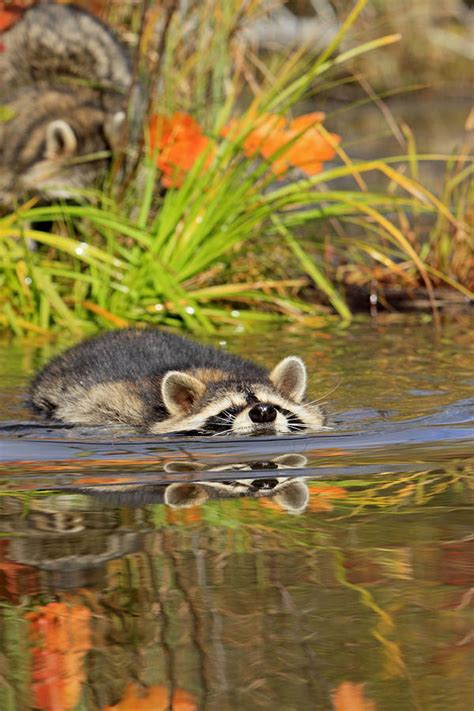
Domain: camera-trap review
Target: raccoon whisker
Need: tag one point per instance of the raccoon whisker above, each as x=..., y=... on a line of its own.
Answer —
x=223, y=432
x=329, y=392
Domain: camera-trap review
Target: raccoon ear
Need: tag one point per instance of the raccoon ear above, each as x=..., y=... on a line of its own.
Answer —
x=180, y=391
x=292, y=461
x=182, y=496
x=293, y=496
x=289, y=377
x=113, y=127
x=61, y=141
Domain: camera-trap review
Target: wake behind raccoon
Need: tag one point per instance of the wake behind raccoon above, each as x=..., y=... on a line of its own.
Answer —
x=161, y=383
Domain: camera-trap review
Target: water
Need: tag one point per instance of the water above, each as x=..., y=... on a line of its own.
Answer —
x=332, y=571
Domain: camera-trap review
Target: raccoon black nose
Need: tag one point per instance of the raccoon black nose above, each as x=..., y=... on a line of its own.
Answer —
x=263, y=413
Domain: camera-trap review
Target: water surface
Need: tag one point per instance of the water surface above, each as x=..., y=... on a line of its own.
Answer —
x=332, y=571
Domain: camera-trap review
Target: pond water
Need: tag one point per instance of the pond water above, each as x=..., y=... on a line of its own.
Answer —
x=333, y=571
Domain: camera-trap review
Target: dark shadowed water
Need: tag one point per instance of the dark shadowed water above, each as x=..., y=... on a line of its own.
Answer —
x=333, y=571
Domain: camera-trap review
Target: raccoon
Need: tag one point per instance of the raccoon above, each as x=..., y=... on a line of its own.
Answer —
x=64, y=79
x=162, y=383
x=59, y=149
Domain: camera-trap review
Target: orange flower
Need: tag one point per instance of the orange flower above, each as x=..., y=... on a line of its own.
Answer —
x=154, y=698
x=178, y=142
x=60, y=635
x=306, y=147
x=264, y=136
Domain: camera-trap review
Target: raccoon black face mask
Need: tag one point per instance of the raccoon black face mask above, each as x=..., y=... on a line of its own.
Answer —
x=164, y=383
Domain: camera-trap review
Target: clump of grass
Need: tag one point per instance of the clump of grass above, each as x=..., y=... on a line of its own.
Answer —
x=142, y=255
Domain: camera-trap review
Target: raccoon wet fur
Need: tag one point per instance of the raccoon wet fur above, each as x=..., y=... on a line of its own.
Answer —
x=64, y=78
x=161, y=383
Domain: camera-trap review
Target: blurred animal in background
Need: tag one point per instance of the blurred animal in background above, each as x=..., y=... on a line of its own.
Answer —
x=64, y=84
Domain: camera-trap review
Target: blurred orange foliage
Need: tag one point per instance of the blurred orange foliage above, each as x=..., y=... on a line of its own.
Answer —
x=9, y=14
x=60, y=638
x=178, y=142
x=299, y=142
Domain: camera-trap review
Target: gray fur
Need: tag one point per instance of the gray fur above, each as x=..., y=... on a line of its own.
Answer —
x=59, y=64
x=59, y=44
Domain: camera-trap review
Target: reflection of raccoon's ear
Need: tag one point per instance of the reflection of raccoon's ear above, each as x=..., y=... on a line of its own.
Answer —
x=183, y=467
x=182, y=496
x=61, y=141
x=289, y=377
x=293, y=496
x=113, y=128
x=292, y=461
x=180, y=391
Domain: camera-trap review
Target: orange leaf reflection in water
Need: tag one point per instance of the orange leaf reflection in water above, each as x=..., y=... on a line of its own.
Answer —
x=153, y=698
x=187, y=516
x=320, y=497
x=60, y=637
x=350, y=697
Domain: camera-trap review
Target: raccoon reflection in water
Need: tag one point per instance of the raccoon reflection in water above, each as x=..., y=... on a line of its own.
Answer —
x=163, y=383
x=290, y=493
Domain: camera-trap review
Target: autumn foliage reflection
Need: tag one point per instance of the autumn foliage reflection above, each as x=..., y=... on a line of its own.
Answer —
x=60, y=639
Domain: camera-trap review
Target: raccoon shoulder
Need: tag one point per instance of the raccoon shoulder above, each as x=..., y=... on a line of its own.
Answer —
x=52, y=42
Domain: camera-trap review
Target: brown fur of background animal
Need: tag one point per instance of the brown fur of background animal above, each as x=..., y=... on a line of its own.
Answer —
x=64, y=79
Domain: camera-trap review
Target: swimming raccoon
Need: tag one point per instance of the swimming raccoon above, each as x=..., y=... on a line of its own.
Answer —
x=64, y=78
x=163, y=383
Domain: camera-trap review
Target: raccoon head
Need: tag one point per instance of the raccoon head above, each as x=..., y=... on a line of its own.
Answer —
x=209, y=403
x=59, y=148
x=290, y=494
x=71, y=157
